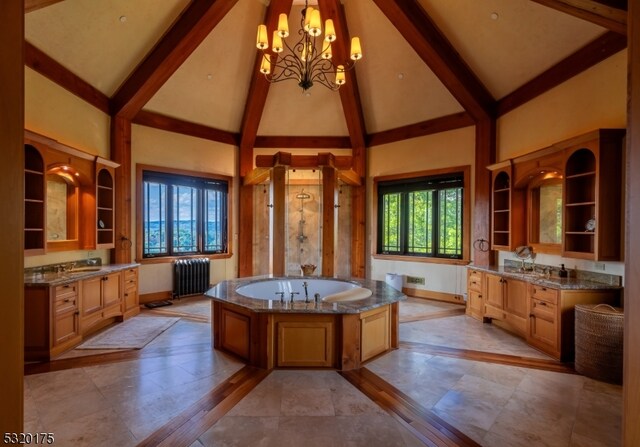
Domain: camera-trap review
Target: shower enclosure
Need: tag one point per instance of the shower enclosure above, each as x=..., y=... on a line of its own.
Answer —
x=302, y=223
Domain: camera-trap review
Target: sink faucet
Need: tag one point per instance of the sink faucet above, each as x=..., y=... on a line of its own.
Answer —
x=306, y=292
x=294, y=293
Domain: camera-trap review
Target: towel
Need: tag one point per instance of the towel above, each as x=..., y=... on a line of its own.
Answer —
x=358, y=293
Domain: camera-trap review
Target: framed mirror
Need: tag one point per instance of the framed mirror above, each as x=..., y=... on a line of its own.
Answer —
x=62, y=209
x=545, y=212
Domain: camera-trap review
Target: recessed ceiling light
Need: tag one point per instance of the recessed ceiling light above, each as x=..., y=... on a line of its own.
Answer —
x=400, y=75
x=123, y=19
x=494, y=16
x=209, y=76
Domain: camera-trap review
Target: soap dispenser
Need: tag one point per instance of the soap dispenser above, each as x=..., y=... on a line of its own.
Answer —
x=563, y=273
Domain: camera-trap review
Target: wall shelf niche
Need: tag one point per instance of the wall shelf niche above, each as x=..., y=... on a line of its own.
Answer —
x=507, y=209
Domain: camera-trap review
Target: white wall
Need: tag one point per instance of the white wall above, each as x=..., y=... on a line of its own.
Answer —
x=159, y=148
x=443, y=150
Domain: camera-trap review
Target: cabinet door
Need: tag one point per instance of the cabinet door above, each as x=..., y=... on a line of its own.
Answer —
x=476, y=305
x=111, y=290
x=494, y=291
x=65, y=326
x=515, y=297
x=90, y=302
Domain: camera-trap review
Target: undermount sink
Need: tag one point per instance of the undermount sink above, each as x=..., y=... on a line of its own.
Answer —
x=85, y=269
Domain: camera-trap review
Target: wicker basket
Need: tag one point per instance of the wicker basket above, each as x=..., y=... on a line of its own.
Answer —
x=599, y=335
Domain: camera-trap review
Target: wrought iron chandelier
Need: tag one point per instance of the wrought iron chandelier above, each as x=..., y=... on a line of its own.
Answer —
x=310, y=59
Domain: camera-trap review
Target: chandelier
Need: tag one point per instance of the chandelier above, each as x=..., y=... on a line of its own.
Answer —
x=310, y=59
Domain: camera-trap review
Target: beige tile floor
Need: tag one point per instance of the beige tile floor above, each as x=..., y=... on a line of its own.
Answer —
x=497, y=405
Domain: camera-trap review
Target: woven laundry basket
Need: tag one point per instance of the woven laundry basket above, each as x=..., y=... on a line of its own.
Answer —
x=599, y=333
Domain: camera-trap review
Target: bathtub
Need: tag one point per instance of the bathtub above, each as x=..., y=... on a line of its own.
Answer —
x=273, y=289
x=352, y=321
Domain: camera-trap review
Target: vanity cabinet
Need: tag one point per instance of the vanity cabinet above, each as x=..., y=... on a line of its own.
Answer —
x=475, y=290
x=593, y=196
x=101, y=300
x=552, y=315
x=130, y=299
x=51, y=324
x=506, y=303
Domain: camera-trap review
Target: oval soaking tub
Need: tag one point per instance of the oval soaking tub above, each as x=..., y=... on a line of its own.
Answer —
x=269, y=323
x=329, y=290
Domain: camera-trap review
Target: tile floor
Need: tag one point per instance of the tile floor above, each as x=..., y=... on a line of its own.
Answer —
x=497, y=405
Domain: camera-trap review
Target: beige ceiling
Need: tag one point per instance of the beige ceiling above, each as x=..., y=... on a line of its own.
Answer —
x=396, y=87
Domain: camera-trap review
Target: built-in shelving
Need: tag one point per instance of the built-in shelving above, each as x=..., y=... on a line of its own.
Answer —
x=104, y=208
x=505, y=207
x=34, y=201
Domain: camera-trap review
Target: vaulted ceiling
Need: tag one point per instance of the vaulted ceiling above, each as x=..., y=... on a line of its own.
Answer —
x=428, y=65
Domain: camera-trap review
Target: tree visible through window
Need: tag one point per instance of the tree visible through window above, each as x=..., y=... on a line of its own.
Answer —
x=421, y=216
x=183, y=215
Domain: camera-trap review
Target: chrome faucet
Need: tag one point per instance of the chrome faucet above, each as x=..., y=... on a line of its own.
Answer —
x=294, y=293
x=281, y=296
x=306, y=292
x=316, y=297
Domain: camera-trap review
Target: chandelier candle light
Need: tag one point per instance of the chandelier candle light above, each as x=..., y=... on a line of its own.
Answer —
x=305, y=62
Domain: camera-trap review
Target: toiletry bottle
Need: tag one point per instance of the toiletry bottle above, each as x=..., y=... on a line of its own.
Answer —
x=563, y=273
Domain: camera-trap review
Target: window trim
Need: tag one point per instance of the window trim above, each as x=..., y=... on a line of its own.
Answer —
x=140, y=168
x=466, y=215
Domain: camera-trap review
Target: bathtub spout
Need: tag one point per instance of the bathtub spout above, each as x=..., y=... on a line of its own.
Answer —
x=294, y=293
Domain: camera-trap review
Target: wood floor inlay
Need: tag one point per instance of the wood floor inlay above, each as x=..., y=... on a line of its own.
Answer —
x=489, y=357
x=186, y=428
x=432, y=315
x=423, y=423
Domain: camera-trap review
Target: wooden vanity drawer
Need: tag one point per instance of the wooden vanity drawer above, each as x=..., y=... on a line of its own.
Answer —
x=544, y=293
x=131, y=274
x=543, y=309
x=66, y=291
x=474, y=280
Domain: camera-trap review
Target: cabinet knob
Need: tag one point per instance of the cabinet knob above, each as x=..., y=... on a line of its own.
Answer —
x=532, y=316
x=77, y=312
x=479, y=296
x=126, y=294
x=66, y=286
x=542, y=303
x=66, y=300
x=544, y=289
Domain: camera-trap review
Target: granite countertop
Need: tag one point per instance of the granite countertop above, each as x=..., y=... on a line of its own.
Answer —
x=56, y=279
x=571, y=283
x=225, y=292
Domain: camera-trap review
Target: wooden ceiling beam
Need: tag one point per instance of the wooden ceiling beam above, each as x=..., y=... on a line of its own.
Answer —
x=429, y=127
x=32, y=5
x=284, y=142
x=170, y=124
x=591, y=54
x=349, y=92
x=420, y=31
x=608, y=14
x=187, y=32
x=258, y=90
x=40, y=62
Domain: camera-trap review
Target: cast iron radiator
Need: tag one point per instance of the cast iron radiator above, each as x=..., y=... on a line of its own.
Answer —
x=190, y=276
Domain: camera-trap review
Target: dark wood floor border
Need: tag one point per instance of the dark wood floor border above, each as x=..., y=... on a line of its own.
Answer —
x=187, y=427
x=113, y=357
x=489, y=357
x=432, y=315
x=423, y=423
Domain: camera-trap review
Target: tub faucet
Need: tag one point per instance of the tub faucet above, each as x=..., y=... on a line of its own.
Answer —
x=294, y=293
x=281, y=296
x=316, y=297
x=306, y=292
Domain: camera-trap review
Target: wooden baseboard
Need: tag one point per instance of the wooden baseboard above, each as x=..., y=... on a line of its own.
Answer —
x=155, y=296
x=431, y=295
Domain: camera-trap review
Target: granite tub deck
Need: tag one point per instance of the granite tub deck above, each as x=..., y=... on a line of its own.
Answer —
x=270, y=333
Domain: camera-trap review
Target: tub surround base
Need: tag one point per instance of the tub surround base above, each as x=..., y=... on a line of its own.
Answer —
x=272, y=334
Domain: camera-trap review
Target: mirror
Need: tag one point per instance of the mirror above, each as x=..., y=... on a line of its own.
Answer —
x=545, y=213
x=61, y=207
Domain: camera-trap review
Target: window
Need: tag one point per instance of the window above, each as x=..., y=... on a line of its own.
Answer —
x=422, y=216
x=183, y=214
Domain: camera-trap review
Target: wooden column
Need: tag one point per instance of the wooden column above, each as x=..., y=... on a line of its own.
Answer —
x=359, y=215
x=328, y=220
x=631, y=387
x=279, y=196
x=121, y=153
x=12, y=222
x=485, y=155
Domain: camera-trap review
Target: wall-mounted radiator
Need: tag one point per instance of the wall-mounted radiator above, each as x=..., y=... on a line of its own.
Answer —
x=190, y=276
